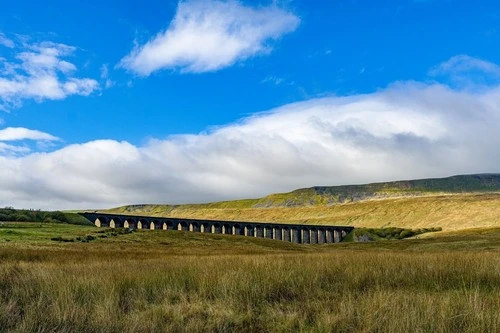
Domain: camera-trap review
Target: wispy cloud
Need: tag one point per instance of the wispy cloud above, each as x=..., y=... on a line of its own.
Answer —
x=272, y=79
x=15, y=141
x=107, y=82
x=4, y=41
x=464, y=70
x=12, y=150
x=206, y=36
x=21, y=133
x=39, y=72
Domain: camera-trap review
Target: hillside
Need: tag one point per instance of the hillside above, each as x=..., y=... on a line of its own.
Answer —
x=452, y=203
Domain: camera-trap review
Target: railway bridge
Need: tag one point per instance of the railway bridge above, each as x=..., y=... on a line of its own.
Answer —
x=295, y=233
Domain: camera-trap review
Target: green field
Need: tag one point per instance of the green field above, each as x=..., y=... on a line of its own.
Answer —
x=102, y=280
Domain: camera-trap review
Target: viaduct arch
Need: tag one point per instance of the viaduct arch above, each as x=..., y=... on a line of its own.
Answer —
x=295, y=233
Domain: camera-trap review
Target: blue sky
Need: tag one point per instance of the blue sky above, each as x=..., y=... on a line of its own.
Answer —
x=108, y=103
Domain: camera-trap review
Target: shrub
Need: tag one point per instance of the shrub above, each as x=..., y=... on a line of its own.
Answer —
x=62, y=239
x=371, y=234
x=406, y=233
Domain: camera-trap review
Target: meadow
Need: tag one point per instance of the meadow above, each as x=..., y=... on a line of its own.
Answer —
x=171, y=281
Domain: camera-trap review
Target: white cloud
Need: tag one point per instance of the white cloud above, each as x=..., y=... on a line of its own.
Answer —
x=273, y=80
x=40, y=72
x=467, y=71
x=108, y=83
x=6, y=149
x=465, y=63
x=409, y=130
x=21, y=133
x=24, y=139
x=4, y=41
x=206, y=36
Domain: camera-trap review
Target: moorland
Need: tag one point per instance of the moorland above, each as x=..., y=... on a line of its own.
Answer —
x=73, y=278
x=70, y=276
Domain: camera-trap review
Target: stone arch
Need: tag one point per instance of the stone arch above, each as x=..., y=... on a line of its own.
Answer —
x=130, y=223
x=268, y=231
x=195, y=227
x=158, y=225
x=314, y=235
x=277, y=232
x=329, y=235
x=217, y=228
x=171, y=225
x=343, y=234
x=100, y=222
x=336, y=235
x=259, y=231
x=306, y=236
x=238, y=230
x=143, y=224
x=115, y=222
x=250, y=230
x=286, y=234
x=296, y=235
x=227, y=229
x=206, y=228
x=164, y=226
x=183, y=226
x=321, y=236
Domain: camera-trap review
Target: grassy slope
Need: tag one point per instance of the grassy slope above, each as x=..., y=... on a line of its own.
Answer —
x=449, y=211
x=458, y=202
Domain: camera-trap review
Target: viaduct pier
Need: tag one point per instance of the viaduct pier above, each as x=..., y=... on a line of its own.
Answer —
x=295, y=233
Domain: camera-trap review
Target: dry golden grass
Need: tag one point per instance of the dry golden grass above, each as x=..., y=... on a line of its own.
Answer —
x=344, y=292
x=450, y=212
x=169, y=281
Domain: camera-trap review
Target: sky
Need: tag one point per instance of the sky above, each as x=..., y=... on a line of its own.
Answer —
x=106, y=103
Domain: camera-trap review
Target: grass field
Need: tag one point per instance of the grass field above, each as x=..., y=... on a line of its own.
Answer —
x=158, y=281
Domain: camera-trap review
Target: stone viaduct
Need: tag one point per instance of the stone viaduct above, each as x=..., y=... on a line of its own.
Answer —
x=295, y=233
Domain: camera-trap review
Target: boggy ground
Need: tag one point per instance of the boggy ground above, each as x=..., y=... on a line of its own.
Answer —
x=170, y=281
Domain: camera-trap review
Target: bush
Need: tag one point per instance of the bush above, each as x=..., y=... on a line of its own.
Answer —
x=62, y=239
x=25, y=215
x=371, y=234
x=407, y=233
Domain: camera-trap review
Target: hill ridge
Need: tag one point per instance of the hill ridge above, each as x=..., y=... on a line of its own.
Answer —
x=340, y=194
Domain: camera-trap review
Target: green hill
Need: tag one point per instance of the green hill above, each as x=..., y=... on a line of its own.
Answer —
x=456, y=202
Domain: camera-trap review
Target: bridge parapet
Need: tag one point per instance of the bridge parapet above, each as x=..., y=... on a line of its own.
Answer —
x=295, y=233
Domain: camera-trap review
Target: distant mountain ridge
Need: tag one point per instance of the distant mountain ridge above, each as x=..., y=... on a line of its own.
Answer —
x=454, y=184
x=330, y=195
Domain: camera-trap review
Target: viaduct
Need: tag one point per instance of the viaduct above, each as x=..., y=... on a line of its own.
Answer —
x=295, y=233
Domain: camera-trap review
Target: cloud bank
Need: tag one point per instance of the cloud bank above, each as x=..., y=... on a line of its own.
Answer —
x=205, y=36
x=408, y=130
x=39, y=72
